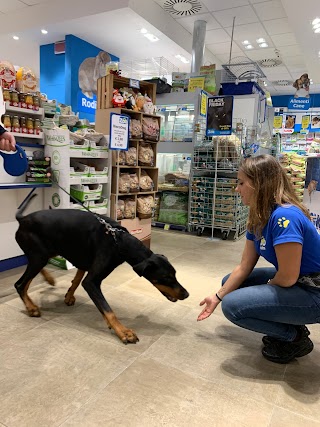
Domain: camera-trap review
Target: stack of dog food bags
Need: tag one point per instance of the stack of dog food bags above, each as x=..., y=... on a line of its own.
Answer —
x=295, y=166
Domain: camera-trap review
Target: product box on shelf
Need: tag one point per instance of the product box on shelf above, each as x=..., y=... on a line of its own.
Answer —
x=86, y=192
x=37, y=170
x=79, y=145
x=140, y=228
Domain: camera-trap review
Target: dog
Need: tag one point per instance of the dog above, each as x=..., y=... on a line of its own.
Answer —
x=312, y=186
x=96, y=245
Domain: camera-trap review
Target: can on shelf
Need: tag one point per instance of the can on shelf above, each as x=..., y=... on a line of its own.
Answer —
x=29, y=101
x=36, y=102
x=15, y=124
x=23, y=125
x=7, y=122
x=22, y=100
x=37, y=127
x=6, y=95
x=14, y=101
x=30, y=125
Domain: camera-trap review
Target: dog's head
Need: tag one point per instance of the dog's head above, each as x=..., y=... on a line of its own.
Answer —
x=158, y=270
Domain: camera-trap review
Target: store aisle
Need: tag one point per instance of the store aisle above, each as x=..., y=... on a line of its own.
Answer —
x=67, y=369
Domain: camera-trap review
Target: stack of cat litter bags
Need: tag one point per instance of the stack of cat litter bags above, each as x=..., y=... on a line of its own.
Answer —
x=295, y=165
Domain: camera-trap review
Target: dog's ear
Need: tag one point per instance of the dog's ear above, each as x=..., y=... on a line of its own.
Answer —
x=141, y=268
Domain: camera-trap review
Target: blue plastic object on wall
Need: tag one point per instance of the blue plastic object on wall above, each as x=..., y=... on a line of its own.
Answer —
x=15, y=163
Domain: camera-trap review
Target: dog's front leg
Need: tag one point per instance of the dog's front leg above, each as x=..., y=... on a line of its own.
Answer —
x=92, y=285
x=69, y=298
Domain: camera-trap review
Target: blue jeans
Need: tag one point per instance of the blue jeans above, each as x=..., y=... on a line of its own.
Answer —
x=270, y=309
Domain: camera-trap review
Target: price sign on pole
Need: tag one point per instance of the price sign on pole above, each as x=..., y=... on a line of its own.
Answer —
x=119, y=131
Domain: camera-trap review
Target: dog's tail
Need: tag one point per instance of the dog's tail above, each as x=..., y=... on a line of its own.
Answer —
x=23, y=206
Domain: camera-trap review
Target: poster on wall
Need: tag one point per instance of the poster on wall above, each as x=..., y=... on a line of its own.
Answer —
x=90, y=70
x=311, y=195
x=219, y=115
x=315, y=122
x=290, y=121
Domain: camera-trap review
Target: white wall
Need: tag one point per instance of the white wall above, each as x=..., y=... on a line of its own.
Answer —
x=20, y=52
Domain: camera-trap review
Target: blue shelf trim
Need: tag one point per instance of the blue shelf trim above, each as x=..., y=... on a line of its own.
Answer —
x=13, y=186
x=29, y=144
x=8, y=264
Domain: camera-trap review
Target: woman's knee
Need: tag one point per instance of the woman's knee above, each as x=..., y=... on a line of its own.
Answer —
x=231, y=306
x=223, y=281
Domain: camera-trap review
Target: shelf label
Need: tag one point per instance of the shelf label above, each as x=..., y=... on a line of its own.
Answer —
x=119, y=131
x=134, y=83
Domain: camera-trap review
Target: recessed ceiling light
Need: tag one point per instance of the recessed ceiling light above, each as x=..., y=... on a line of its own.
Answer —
x=245, y=42
x=316, y=26
x=316, y=21
x=261, y=40
x=44, y=31
x=15, y=37
x=249, y=46
x=143, y=31
x=182, y=59
x=317, y=30
x=151, y=37
x=263, y=44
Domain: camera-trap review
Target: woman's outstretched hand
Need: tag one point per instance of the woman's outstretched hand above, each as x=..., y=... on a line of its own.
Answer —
x=211, y=303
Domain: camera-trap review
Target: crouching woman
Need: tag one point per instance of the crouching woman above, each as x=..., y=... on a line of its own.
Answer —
x=277, y=301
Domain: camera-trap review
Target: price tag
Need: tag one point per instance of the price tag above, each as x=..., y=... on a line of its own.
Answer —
x=119, y=131
x=166, y=227
x=134, y=83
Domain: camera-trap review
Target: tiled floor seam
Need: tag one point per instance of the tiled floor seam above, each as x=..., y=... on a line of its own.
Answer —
x=316, y=420
x=93, y=396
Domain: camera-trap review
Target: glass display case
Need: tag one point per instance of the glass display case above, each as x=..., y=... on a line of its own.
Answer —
x=176, y=122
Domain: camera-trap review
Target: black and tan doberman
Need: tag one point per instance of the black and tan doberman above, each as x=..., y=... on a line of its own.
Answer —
x=93, y=244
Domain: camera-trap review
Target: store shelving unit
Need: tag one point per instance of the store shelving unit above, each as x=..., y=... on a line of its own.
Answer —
x=138, y=224
x=62, y=156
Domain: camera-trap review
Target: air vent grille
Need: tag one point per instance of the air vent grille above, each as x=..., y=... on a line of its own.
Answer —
x=270, y=62
x=182, y=7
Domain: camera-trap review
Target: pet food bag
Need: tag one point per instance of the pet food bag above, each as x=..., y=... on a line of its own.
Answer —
x=174, y=208
x=135, y=130
x=7, y=75
x=145, y=205
x=131, y=156
x=146, y=154
x=124, y=183
x=145, y=182
x=150, y=128
x=134, y=183
x=129, y=208
x=120, y=209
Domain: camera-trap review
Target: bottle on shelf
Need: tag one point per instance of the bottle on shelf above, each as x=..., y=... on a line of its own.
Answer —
x=37, y=126
x=30, y=125
x=7, y=122
x=15, y=124
x=23, y=125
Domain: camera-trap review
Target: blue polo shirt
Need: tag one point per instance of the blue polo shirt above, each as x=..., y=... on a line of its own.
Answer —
x=288, y=224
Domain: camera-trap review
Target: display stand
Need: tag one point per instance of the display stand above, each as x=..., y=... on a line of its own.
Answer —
x=136, y=224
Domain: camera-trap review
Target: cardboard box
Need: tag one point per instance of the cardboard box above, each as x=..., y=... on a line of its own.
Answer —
x=140, y=228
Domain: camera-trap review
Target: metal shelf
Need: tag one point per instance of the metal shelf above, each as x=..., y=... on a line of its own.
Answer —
x=16, y=185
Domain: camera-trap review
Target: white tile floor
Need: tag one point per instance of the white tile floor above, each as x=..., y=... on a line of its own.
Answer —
x=67, y=369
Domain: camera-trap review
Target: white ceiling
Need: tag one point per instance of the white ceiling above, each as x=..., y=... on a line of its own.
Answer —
x=114, y=25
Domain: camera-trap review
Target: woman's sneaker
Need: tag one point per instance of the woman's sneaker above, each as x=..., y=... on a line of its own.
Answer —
x=285, y=351
x=302, y=328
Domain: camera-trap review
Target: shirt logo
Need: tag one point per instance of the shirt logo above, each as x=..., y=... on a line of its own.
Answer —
x=263, y=244
x=283, y=222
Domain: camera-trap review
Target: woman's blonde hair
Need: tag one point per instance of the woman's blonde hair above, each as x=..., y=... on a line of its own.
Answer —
x=272, y=187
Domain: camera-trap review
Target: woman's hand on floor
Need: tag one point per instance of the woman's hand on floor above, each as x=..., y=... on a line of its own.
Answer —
x=211, y=303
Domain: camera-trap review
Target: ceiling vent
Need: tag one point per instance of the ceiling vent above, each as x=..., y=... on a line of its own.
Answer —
x=270, y=62
x=182, y=7
x=282, y=83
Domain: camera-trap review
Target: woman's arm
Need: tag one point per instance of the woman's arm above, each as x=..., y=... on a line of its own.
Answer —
x=236, y=278
x=289, y=262
x=241, y=272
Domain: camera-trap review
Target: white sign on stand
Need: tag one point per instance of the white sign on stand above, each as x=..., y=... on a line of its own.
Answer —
x=119, y=131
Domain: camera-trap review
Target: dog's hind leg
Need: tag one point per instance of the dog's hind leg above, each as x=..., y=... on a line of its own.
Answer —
x=92, y=284
x=69, y=298
x=47, y=276
x=22, y=286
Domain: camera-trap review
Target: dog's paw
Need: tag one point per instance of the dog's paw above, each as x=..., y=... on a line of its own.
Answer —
x=34, y=312
x=69, y=299
x=129, y=336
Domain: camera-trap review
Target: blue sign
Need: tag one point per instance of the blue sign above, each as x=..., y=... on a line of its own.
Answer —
x=298, y=103
x=85, y=104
